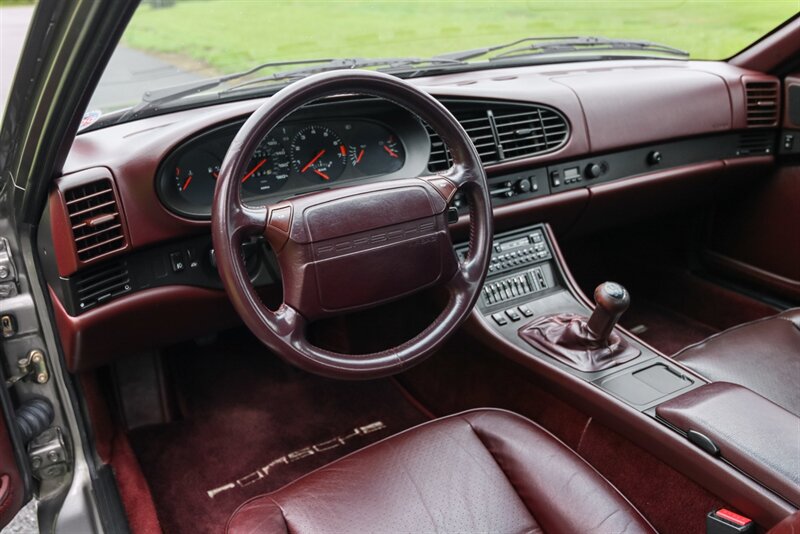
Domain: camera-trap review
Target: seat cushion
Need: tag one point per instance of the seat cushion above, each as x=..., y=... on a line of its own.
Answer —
x=763, y=355
x=479, y=471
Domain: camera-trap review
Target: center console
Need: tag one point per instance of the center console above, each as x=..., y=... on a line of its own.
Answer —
x=528, y=301
x=533, y=312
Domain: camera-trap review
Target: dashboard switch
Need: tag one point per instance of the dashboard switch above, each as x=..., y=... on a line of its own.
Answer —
x=593, y=170
x=654, y=157
x=499, y=318
x=513, y=315
x=178, y=261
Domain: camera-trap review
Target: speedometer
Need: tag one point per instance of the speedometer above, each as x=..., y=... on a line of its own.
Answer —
x=318, y=153
x=269, y=168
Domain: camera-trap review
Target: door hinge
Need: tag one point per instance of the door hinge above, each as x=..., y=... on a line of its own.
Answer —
x=48, y=455
x=8, y=272
x=34, y=365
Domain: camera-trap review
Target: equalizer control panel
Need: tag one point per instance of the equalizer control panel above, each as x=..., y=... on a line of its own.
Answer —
x=519, y=269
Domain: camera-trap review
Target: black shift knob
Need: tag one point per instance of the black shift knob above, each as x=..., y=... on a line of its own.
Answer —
x=611, y=301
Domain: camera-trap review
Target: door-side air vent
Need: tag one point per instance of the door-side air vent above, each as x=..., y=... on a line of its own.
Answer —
x=756, y=143
x=502, y=131
x=762, y=103
x=100, y=284
x=95, y=219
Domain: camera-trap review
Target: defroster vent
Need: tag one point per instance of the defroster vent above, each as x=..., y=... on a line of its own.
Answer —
x=95, y=219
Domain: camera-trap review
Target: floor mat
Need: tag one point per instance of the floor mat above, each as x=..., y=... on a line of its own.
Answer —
x=253, y=424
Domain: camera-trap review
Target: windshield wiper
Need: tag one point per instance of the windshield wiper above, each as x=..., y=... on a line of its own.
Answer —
x=158, y=97
x=571, y=45
x=391, y=65
x=534, y=46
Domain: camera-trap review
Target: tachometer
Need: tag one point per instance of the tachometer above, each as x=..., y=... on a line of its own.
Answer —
x=318, y=153
x=269, y=168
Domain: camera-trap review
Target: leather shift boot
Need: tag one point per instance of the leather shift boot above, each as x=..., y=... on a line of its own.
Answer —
x=566, y=338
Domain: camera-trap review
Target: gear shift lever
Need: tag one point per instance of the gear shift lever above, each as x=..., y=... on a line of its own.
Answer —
x=611, y=301
x=586, y=344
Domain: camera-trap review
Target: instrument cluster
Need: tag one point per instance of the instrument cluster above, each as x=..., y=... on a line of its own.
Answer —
x=296, y=157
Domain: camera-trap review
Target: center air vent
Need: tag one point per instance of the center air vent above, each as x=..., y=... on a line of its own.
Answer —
x=100, y=284
x=95, y=219
x=762, y=103
x=502, y=132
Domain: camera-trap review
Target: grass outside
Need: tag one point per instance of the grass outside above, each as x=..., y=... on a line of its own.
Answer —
x=231, y=35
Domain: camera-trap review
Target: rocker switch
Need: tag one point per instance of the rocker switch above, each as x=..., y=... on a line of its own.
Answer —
x=178, y=261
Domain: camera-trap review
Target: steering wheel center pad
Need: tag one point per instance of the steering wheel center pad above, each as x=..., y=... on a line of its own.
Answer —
x=352, y=248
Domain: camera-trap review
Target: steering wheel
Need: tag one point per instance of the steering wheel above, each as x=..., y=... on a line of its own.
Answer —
x=351, y=248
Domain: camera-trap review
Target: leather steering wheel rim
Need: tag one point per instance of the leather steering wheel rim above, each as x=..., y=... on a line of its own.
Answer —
x=300, y=229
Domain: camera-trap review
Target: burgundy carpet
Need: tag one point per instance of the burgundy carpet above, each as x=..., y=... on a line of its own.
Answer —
x=666, y=330
x=251, y=425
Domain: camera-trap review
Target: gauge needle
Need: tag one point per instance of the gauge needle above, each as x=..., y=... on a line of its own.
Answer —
x=215, y=175
x=390, y=151
x=360, y=155
x=254, y=169
x=324, y=176
x=313, y=160
x=186, y=183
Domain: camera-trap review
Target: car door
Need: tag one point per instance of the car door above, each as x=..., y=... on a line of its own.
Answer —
x=44, y=438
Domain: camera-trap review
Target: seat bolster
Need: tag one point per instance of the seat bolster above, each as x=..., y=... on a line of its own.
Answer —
x=257, y=516
x=562, y=491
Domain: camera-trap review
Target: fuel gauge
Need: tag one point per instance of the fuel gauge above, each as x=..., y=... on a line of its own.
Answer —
x=195, y=177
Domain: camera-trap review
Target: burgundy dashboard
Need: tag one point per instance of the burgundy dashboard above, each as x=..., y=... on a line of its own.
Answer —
x=127, y=230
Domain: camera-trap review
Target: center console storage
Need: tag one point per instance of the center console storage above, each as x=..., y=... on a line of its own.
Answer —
x=743, y=428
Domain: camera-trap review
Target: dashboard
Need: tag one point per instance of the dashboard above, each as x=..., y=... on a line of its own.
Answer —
x=335, y=146
x=125, y=242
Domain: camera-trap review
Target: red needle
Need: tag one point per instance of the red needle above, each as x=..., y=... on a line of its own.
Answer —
x=324, y=176
x=360, y=155
x=186, y=183
x=254, y=169
x=314, y=160
x=215, y=175
x=390, y=151
x=343, y=150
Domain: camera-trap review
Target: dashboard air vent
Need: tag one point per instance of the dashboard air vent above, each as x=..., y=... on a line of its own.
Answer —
x=95, y=219
x=102, y=283
x=502, y=132
x=522, y=133
x=756, y=143
x=762, y=103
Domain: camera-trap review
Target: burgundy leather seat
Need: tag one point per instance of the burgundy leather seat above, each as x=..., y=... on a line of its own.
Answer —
x=479, y=471
x=763, y=356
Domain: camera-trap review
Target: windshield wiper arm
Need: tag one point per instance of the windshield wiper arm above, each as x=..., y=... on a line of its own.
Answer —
x=387, y=65
x=569, y=45
x=154, y=98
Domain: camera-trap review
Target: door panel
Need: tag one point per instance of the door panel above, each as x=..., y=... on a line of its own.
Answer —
x=754, y=233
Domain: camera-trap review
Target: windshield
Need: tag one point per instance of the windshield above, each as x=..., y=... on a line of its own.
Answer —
x=171, y=43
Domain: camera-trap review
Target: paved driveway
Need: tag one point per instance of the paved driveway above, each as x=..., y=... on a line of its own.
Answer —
x=129, y=73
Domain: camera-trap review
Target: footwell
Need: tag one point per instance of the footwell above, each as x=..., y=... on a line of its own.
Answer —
x=248, y=415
